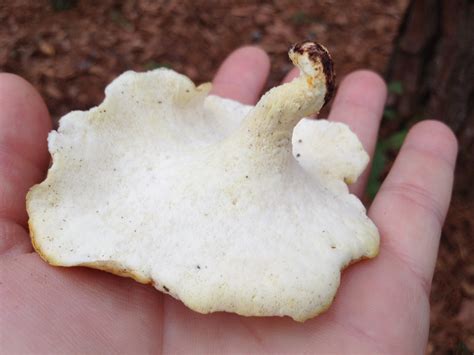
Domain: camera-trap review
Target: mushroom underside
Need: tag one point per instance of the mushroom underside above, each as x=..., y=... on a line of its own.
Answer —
x=212, y=201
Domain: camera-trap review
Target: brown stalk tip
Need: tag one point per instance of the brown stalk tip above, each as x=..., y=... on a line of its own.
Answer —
x=317, y=52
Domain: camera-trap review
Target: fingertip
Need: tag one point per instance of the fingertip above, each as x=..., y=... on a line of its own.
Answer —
x=360, y=100
x=366, y=75
x=364, y=81
x=254, y=53
x=24, y=119
x=242, y=75
x=10, y=78
x=14, y=87
x=434, y=136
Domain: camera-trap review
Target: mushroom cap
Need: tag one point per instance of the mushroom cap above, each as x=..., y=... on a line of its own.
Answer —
x=224, y=206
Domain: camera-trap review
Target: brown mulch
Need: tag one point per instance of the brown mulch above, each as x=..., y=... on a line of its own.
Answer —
x=71, y=55
x=78, y=51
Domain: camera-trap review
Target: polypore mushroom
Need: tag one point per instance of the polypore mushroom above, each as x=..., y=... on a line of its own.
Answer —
x=224, y=206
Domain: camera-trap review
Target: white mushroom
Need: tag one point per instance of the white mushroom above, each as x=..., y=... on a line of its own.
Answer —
x=208, y=199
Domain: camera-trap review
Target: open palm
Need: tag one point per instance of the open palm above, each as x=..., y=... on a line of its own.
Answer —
x=382, y=305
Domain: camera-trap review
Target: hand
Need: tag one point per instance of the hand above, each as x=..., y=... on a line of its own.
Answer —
x=382, y=305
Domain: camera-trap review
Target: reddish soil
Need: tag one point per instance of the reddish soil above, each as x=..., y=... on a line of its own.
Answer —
x=71, y=55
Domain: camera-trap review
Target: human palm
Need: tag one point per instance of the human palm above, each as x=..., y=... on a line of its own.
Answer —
x=382, y=305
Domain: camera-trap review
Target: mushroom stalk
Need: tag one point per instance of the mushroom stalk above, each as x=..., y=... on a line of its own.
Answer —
x=270, y=123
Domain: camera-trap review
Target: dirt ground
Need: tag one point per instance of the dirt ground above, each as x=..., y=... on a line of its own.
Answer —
x=70, y=50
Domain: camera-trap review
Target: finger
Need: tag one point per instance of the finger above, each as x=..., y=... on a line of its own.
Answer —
x=242, y=75
x=293, y=73
x=408, y=211
x=412, y=203
x=359, y=103
x=24, y=122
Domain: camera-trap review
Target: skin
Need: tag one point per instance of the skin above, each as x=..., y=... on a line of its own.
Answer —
x=382, y=305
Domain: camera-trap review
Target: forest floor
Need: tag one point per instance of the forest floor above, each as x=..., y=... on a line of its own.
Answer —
x=70, y=50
